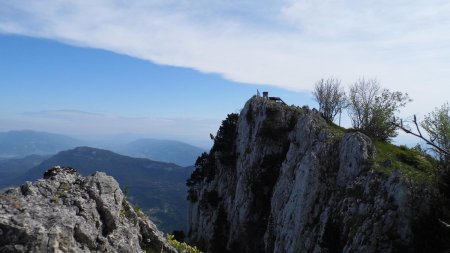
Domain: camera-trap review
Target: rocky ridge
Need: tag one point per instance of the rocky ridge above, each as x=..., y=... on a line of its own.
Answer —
x=66, y=212
x=280, y=179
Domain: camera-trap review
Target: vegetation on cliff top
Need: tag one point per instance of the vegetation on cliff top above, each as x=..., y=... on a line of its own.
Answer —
x=413, y=163
x=224, y=145
x=373, y=112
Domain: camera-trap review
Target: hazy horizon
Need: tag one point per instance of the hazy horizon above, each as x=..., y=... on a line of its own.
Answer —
x=110, y=140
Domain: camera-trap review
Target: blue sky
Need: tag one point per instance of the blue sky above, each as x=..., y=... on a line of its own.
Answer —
x=50, y=86
x=179, y=66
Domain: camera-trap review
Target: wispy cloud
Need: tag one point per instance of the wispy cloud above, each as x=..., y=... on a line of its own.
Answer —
x=290, y=44
x=65, y=115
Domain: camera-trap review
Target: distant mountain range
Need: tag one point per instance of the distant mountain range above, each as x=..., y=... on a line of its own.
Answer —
x=12, y=169
x=17, y=144
x=158, y=188
x=162, y=150
x=23, y=143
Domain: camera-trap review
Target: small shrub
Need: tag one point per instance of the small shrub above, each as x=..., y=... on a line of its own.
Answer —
x=139, y=211
x=181, y=247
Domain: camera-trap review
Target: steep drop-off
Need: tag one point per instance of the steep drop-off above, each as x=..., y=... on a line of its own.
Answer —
x=281, y=179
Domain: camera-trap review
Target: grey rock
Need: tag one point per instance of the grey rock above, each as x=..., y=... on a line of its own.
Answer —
x=65, y=212
x=295, y=185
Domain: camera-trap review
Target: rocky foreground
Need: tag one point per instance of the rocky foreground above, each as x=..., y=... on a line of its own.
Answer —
x=66, y=212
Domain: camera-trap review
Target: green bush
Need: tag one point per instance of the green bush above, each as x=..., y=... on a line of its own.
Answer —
x=181, y=247
x=204, y=168
x=226, y=135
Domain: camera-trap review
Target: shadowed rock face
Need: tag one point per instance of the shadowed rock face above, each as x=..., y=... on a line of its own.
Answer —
x=65, y=212
x=284, y=181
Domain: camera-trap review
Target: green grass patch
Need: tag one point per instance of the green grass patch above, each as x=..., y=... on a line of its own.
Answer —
x=411, y=163
x=337, y=131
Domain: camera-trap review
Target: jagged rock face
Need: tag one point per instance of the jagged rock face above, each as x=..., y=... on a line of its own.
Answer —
x=65, y=212
x=286, y=182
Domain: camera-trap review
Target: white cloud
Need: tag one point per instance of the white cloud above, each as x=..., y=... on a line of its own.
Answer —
x=289, y=44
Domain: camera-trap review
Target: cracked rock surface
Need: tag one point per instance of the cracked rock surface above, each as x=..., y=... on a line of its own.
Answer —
x=66, y=212
x=284, y=181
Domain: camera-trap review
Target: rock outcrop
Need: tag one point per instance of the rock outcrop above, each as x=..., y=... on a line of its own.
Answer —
x=66, y=212
x=281, y=179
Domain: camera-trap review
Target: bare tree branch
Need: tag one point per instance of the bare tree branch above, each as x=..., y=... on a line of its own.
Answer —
x=430, y=142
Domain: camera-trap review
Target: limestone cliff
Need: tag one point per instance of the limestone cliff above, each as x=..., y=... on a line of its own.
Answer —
x=65, y=212
x=281, y=179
